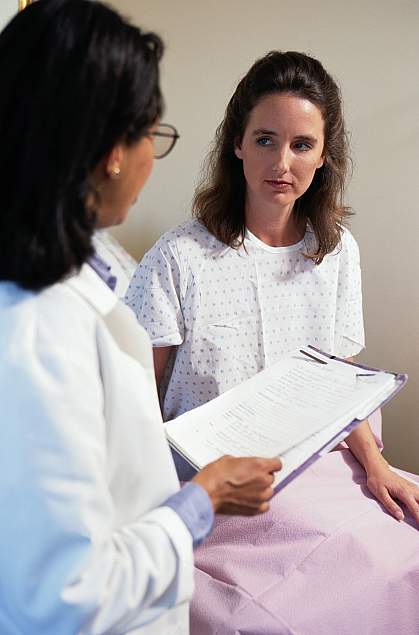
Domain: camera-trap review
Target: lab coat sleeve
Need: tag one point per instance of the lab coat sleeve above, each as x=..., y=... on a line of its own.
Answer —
x=70, y=567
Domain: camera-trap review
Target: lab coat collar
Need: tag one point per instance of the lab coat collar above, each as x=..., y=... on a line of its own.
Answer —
x=118, y=318
x=93, y=289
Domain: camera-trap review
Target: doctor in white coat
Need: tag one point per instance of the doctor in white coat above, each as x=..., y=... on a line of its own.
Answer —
x=96, y=536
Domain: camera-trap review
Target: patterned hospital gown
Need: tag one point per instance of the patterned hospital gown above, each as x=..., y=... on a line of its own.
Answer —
x=232, y=312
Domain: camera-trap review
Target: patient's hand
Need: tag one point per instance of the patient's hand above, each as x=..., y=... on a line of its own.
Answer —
x=387, y=486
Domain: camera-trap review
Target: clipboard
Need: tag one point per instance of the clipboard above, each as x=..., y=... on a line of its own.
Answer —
x=400, y=381
x=236, y=421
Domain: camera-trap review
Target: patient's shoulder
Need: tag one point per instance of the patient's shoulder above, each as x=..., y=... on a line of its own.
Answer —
x=349, y=246
x=188, y=235
x=189, y=243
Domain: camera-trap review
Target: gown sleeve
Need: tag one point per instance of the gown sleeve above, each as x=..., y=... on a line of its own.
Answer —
x=349, y=325
x=155, y=293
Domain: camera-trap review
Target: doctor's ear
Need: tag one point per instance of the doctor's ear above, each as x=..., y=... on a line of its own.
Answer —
x=110, y=167
x=114, y=161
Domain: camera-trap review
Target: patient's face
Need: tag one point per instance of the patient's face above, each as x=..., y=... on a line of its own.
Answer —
x=281, y=149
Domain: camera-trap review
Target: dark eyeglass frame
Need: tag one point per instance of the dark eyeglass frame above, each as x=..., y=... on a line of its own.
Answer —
x=168, y=131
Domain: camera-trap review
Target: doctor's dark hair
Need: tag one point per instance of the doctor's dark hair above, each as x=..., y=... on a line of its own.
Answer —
x=76, y=79
x=219, y=200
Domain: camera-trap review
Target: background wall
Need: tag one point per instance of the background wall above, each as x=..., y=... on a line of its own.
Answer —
x=7, y=9
x=372, y=48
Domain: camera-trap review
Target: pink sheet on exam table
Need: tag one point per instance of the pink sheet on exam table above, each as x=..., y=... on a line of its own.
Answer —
x=325, y=560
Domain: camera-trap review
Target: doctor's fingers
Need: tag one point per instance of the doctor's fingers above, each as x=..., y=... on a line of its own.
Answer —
x=250, y=497
x=252, y=485
x=238, y=480
x=242, y=510
x=252, y=471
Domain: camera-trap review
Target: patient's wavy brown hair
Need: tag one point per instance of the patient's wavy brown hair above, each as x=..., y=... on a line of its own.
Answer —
x=219, y=201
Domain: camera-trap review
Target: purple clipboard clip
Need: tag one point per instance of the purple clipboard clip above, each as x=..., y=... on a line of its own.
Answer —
x=399, y=378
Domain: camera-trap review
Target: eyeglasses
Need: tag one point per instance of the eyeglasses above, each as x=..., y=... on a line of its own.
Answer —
x=164, y=137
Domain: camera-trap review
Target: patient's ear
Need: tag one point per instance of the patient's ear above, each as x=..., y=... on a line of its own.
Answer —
x=321, y=162
x=238, y=149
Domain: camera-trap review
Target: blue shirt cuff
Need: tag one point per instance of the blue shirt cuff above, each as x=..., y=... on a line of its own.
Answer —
x=194, y=506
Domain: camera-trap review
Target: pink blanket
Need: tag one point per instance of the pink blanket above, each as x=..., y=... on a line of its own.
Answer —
x=325, y=560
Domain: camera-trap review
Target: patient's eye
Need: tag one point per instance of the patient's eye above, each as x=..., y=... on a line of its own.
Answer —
x=302, y=146
x=264, y=141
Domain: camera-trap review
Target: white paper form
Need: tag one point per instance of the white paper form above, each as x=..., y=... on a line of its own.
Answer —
x=276, y=410
x=336, y=432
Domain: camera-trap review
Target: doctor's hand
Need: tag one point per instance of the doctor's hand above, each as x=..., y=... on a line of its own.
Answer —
x=239, y=485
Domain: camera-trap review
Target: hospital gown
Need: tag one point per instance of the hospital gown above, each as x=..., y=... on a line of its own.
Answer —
x=231, y=313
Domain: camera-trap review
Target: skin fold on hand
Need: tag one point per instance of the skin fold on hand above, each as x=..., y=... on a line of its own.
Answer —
x=239, y=485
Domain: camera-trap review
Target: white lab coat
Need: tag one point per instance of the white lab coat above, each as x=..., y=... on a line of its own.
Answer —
x=84, y=466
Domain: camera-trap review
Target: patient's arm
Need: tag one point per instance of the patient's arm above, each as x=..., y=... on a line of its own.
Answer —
x=382, y=482
x=161, y=357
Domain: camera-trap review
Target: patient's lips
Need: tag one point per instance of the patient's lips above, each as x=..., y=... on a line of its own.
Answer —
x=279, y=185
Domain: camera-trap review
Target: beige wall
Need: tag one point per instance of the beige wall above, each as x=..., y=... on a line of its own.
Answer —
x=7, y=10
x=372, y=47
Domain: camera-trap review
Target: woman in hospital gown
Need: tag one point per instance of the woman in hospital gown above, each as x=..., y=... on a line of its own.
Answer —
x=266, y=266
